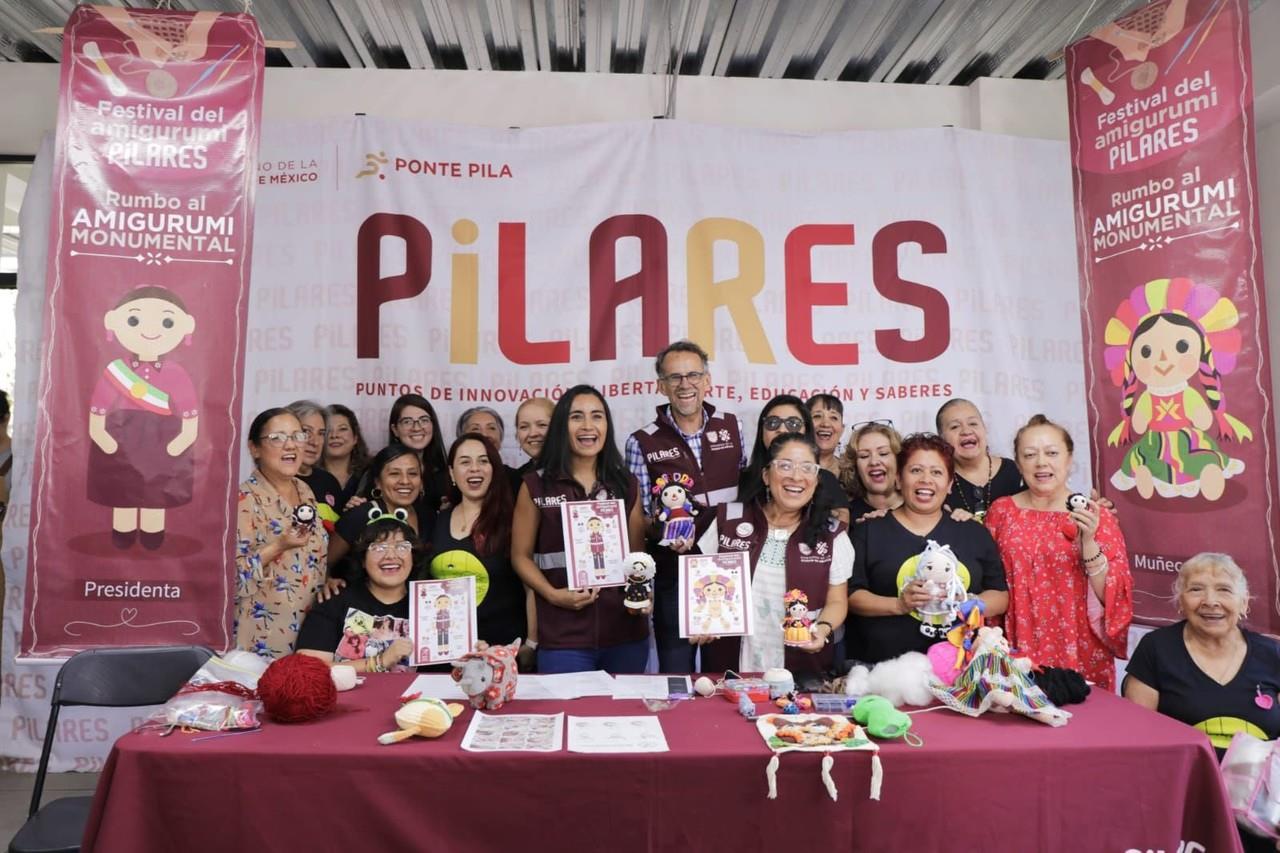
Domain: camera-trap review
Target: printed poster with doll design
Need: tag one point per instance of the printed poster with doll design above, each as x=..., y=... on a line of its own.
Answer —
x=595, y=543
x=715, y=594
x=442, y=618
x=1176, y=363
x=137, y=436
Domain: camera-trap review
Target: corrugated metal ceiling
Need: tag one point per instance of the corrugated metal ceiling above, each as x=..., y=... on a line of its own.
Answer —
x=897, y=41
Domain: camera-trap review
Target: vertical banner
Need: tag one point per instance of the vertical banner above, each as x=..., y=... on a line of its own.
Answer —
x=133, y=497
x=1179, y=385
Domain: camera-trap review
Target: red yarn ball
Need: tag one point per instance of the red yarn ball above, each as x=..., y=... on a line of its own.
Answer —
x=297, y=689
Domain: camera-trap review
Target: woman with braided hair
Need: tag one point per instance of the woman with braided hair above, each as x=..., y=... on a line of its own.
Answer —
x=1168, y=332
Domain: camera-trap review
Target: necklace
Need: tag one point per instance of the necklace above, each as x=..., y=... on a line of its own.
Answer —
x=986, y=493
x=464, y=528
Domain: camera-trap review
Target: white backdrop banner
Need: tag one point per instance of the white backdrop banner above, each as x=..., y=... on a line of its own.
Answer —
x=893, y=269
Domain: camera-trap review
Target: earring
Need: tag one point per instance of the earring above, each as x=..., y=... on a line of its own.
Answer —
x=111, y=337
x=186, y=341
x=375, y=493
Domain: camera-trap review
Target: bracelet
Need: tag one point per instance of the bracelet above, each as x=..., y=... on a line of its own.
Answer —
x=830, y=630
x=531, y=644
x=1101, y=568
x=1095, y=559
x=374, y=664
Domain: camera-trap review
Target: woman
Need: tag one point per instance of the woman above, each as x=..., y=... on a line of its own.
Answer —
x=885, y=589
x=585, y=629
x=869, y=469
x=394, y=483
x=413, y=423
x=827, y=413
x=793, y=543
x=1207, y=670
x=364, y=624
x=345, y=453
x=474, y=538
x=488, y=423
x=981, y=477
x=324, y=486
x=786, y=414
x=532, y=419
x=1070, y=592
x=279, y=564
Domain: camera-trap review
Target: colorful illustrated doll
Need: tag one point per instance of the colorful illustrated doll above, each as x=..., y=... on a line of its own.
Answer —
x=143, y=418
x=639, y=589
x=795, y=625
x=937, y=567
x=710, y=592
x=675, y=510
x=595, y=540
x=442, y=624
x=1169, y=334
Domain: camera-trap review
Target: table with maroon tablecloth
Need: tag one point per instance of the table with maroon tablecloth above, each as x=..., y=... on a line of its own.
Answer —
x=1116, y=778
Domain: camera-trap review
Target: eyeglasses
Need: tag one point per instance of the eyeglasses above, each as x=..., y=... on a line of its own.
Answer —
x=787, y=466
x=420, y=422
x=278, y=439
x=773, y=423
x=874, y=421
x=677, y=379
x=399, y=548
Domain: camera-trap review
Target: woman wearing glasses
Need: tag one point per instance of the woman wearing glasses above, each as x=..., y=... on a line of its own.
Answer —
x=886, y=592
x=787, y=414
x=414, y=424
x=342, y=629
x=869, y=469
x=279, y=563
x=793, y=543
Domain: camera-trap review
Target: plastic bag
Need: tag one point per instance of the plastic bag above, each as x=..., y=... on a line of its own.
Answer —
x=1251, y=770
x=212, y=711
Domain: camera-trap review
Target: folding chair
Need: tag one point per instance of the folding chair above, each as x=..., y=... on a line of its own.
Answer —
x=105, y=678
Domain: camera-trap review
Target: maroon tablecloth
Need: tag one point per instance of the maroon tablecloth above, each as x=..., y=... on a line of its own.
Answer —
x=1116, y=778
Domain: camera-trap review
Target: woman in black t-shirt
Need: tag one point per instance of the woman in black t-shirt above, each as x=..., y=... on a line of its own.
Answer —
x=366, y=625
x=981, y=477
x=395, y=482
x=884, y=594
x=474, y=538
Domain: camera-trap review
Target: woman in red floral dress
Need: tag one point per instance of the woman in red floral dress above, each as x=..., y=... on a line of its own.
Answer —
x=1070, y=591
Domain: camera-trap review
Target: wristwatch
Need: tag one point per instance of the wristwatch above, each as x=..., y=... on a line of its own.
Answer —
x=830, y=631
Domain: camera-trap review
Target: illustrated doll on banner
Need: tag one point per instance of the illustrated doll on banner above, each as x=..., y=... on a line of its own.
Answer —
x=143, y=418
x=675, y=509
x=442, y=623
x=1167, y=338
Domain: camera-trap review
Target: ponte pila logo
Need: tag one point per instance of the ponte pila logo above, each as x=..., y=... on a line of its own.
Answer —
x=373, y=163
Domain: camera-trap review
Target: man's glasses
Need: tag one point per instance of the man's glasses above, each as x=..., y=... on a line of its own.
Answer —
x=408, y=423
x=773, y=423
x=693, y=377
x=278, y=439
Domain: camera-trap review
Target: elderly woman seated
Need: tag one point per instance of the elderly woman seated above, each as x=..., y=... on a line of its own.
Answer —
x=1207, y=670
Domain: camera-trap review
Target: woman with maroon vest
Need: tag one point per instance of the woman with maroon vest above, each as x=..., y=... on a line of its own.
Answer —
x=886, y=593
x=794, y=542
x=585, y=629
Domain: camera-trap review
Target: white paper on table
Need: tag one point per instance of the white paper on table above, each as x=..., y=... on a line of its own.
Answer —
x=616, y=734
x=567, y=685
x=514, y=733
x=436, y=685
x=649, y=686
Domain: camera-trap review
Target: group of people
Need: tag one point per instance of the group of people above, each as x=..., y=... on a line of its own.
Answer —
x=847, y=528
